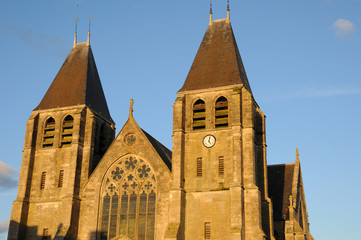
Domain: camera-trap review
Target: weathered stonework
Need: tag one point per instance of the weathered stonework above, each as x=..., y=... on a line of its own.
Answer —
x=79, y=181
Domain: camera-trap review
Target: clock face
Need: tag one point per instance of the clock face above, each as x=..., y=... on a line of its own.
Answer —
x=209, y=141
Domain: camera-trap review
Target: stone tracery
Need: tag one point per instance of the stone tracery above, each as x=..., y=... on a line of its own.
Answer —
x=128, y=200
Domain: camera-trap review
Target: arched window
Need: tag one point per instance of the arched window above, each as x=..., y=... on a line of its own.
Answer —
x=67, y=131
x=221, y=112
x=129, y=201
x=49, y=131
x=199, y=115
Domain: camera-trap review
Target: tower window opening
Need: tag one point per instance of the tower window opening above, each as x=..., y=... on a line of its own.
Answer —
x=49, y=132
x=61, y=178
x=199, y=115
x=67, y=131
x=221, y=112
x=199, y=167
x=42, y=182
x=207, y=230
x=221, y=166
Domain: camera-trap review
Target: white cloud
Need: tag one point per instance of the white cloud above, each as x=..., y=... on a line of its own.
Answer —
x=4, y=225
x=8, y=176
x=343, y=28
x=40, y=42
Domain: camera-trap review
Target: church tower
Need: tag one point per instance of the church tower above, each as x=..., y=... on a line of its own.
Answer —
x=219, y=149
x=66, y=136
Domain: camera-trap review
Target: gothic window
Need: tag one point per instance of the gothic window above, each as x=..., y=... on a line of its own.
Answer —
x=199, y=115
x=129, y=201
x=199, y=167
x=221, y=112
x=220, y=165
x=42, y=181
x=61, y=178
x=49, y=131
x=67, y=131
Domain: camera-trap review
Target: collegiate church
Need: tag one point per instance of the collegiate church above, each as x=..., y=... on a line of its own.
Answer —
x=79, y=181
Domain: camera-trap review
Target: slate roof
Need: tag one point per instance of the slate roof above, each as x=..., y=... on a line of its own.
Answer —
x=163, y=151
x=77, y=83
x=280, y=178
x=218, y=62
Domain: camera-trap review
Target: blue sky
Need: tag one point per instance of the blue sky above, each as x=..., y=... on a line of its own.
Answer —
x=302, y=58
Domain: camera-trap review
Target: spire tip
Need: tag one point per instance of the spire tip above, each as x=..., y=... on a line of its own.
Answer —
x=76, y=30
x=228, y=10
x=88, y=39
x=210, y=12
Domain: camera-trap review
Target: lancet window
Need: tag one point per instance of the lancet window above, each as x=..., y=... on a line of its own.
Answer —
x=129, y=201
x=199, y=115
x=49, y=132
x=67, y=131
x=221, y=112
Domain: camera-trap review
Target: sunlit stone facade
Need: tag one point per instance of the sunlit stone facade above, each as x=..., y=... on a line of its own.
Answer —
x=79, y=181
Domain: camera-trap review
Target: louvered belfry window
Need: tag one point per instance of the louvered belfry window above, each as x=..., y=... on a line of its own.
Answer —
x=199, y=167
x=199, y=115
x=61, y=178
x=207, y=230
x=129, y=201
x=221, y=166
x=67, y=131
x=221, y=112
x=49, y=132
x=42, y=182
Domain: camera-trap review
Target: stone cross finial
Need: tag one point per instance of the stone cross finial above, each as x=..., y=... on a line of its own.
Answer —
x=131, y=107
x=297, y=154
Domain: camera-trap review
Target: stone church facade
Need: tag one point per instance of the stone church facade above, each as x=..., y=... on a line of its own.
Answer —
x=79, y=181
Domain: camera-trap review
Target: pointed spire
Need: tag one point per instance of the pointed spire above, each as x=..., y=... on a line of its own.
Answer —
x=88, y=39
x=218, y=62
x=79, y=70
x=228, y=17
x=76, y=30
x=210, y=12
x=131, y=108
